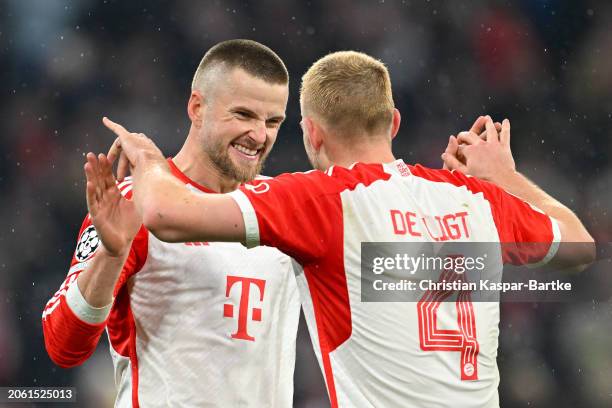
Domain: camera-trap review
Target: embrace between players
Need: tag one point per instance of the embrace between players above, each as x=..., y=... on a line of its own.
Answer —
x=194, y=318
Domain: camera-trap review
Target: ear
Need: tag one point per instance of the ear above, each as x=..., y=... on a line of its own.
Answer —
x=194, y=108
x=397, y=119
x=314, y=133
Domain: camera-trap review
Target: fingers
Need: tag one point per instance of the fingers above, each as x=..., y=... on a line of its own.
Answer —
x=123, y=164
x=93, y=175
x=100, y=185
x=115, y=127
x=107, y=173
x=452, y=163
x=477, y=131
x=452, y=146
x=91, y=193
x=126, y=147
x=123, y=167
x=492, y=135
x=468, y=138
x=451, y=149
x=483, y=135
x=450, y=155
x=504, y=136
x=131, y=149
x=117, y=149
x=92, y=205
x=479, y=125
x=114, y=151
x=461, y=149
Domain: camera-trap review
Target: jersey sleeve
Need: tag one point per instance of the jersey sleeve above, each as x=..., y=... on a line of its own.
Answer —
x=298, y=213
x=71, y=327
x=528, y=236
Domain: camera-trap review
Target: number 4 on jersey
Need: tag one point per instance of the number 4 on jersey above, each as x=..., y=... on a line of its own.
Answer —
x=462, y=340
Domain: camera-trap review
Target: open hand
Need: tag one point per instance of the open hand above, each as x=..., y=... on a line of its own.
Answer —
x=114, y=217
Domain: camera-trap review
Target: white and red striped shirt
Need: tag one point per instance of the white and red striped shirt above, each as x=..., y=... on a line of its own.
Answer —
x=192, y=324
x=388, y=354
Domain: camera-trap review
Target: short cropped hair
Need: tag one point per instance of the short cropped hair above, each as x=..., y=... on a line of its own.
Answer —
x=251, y=56
x=350, y=92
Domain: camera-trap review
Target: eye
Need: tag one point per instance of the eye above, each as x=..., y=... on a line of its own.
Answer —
x=274, y=123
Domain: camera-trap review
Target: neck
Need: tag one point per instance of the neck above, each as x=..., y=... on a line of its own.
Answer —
x=375, y=152
x=196, y=165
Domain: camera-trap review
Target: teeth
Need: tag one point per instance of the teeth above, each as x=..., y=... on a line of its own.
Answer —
x=244, y=150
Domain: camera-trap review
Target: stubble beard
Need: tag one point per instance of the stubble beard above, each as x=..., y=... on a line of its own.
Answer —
x=220, y=158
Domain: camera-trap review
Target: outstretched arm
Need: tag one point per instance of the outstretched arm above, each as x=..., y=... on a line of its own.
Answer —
x=116, y=223
x=75, y=317
x=169, y=210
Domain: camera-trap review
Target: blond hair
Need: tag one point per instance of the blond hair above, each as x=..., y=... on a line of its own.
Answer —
x=350, y=92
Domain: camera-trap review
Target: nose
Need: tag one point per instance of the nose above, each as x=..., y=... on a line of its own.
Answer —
x=259, y=132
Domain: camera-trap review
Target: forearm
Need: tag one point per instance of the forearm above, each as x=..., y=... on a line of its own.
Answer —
x=577, y=245
x=97, y=282
x=68, y=339
x=161, y=200
x=520, y=186
x=71, y=328
x=173, y=213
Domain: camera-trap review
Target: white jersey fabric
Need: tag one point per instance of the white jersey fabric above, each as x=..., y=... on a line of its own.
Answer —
x=193, y=324
x=392, y=354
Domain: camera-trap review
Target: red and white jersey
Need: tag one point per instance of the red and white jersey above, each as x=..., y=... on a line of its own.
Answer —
x=390, y=354
x=192, y=324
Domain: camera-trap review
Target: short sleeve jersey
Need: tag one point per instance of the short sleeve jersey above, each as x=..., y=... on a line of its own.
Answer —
x=393, y=354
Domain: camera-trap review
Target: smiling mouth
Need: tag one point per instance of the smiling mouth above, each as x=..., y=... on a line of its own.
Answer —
x=250, y=153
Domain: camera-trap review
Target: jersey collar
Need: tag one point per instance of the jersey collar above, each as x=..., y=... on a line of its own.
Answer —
x=181, y=176
x=398, y=167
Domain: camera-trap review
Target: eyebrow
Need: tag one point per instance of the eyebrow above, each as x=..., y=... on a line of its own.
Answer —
x=280, y=118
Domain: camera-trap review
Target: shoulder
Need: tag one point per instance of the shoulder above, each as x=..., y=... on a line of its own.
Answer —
x=358, y=173
x=438, y=175
x=287, y=182
x=454, y=178
x=334, y=179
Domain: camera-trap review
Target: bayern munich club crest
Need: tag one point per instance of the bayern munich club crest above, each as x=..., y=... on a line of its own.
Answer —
x=88, y=244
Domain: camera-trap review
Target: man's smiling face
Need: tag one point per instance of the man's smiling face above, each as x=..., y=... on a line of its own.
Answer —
x=241, y=119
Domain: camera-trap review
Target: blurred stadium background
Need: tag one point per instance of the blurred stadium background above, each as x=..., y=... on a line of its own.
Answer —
x=545, y=64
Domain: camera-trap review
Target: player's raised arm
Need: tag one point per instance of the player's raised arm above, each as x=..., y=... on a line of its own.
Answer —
x=75, y=317
x=169, y=210
x=491, y=160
